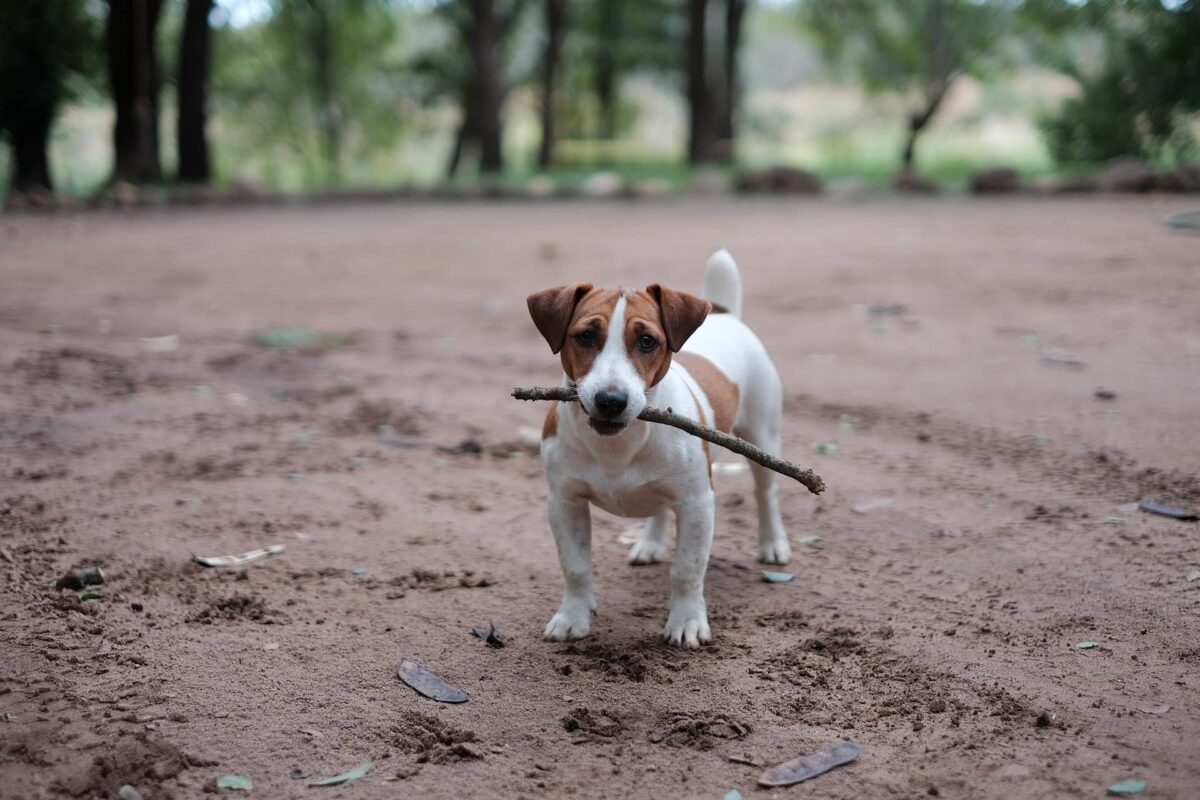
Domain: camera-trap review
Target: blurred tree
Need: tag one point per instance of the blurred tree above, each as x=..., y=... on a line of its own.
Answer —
x=310, y=25
x=735, y=10
x=194, y=54
x=914, y=47
x=613, y=39
x=483, y=29
x=43, y=45
x=607, y=32
x=702, y=119
x=712, y=89
x=555, y=14
x=134, y=78
x=1141, y=98
x=316, y=78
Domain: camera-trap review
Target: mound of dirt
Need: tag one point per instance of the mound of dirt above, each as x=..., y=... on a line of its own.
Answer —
x=698, y=732
x=589, y=723
x=432, y=740
x=236, y=608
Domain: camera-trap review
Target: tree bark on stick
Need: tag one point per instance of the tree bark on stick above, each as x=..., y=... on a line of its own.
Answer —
x=811, y=480
x=194, y=50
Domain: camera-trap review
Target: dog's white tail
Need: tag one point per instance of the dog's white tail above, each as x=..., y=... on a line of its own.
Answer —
x=722, y=283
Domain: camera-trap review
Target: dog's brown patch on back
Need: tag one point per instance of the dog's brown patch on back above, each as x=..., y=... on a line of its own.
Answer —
x=721, y=392
x=550, y=426
x=593, y=312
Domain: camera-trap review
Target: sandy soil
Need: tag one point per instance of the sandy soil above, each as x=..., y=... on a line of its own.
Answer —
x=938, y=630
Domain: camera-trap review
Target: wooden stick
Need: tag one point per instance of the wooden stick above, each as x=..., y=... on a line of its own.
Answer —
x=811, y=480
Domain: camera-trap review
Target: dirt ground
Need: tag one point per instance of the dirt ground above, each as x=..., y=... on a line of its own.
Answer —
x=969, y=537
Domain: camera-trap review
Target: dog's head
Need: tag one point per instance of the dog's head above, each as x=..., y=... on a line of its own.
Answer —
x=615, y=344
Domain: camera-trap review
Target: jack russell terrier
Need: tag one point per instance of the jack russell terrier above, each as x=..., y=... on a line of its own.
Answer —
x=622, y=350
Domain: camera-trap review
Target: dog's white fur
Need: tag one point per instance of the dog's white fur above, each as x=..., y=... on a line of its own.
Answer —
x=648, y=469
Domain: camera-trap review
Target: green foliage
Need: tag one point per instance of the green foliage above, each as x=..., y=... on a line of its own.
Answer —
x=889, y=44
x=620, y=38
x=318, y=80
x=912, y=47
x=47, y=50
x=1140, y=101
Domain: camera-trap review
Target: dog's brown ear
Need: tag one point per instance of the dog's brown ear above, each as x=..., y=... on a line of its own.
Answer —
x=552, y=309
x=682, y=313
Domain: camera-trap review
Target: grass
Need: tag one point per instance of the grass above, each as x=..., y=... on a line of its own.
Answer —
x=836, y=131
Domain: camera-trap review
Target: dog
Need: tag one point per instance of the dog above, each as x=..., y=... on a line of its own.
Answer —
x=623, y=350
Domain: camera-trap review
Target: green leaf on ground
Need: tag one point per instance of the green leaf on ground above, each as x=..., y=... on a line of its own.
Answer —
x=810, y=541
x=777, y=577
x=235, y=782
x=353, y=775
x=1086, y=645
x=1127, y=787
x=283, y=338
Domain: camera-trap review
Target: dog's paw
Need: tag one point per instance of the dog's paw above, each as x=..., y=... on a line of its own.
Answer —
x=777, y=551
x=687, y=624
x=572, y=621
x=647, y=551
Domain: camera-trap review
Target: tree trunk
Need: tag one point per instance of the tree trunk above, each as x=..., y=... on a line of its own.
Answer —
x=556, y=23
x=464, y=137
x=734, y=11
x=329, y=112
x=193, y=93
x=28, y=137
x=487, y=88
x=606, y=67
x=702, y=129
x=938, y=80
x=133, y=74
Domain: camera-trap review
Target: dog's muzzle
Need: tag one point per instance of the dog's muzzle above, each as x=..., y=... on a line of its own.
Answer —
x=606, y=417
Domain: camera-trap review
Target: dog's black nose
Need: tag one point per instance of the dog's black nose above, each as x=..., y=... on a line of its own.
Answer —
x=611, y=403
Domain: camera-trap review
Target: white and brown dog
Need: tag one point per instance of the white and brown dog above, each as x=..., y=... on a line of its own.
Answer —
x=623, y=350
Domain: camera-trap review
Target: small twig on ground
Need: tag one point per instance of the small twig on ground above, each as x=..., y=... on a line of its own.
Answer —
x=811, y=480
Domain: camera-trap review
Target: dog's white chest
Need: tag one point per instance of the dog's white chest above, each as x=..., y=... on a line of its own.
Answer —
x=643, y=500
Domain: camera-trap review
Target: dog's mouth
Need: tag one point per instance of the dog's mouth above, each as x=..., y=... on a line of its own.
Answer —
x=605, y=427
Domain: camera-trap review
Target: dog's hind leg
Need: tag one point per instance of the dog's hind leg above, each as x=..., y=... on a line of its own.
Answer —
x=651, y=546
x=773, y=547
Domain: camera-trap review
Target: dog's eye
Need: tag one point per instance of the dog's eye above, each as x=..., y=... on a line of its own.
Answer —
x=585, y=338
x=647, y=343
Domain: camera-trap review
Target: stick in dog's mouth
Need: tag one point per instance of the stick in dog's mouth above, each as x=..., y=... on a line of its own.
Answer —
x=811, y=480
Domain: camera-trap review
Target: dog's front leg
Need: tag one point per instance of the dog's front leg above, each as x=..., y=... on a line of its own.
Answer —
x=571, y=521
x=687, y=620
